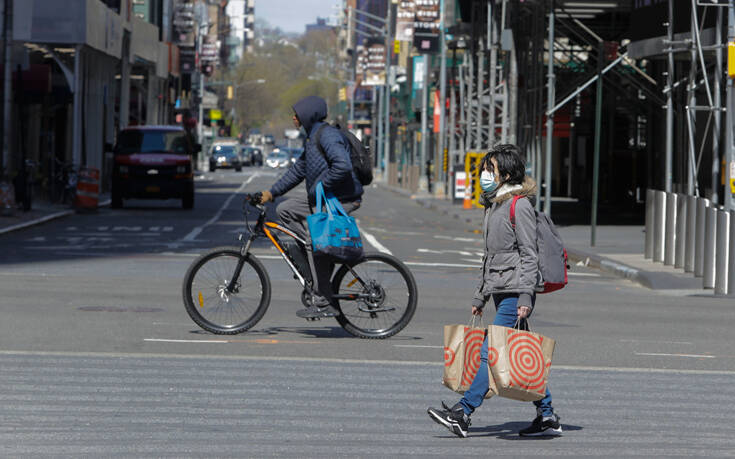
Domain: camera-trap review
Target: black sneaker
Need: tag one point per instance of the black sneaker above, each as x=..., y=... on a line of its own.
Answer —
x=452, y=418
x=543, y=426
x=319, y=309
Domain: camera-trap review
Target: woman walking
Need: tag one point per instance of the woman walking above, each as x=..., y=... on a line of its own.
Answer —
x=509, y=277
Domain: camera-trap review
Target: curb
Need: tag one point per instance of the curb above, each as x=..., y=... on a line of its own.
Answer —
x=45, y=218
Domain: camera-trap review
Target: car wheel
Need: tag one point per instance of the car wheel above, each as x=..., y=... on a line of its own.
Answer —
x=187, y=202
x=116, y=201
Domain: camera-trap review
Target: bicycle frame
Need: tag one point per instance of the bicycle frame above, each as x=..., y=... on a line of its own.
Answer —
x=263, y=227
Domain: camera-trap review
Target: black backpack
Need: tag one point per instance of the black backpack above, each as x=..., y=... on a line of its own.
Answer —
x=362, y=161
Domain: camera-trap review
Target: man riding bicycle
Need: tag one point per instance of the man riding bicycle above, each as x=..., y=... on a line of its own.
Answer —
x=329, y=163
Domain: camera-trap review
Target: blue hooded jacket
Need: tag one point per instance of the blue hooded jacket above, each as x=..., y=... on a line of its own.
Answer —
x=335, y=171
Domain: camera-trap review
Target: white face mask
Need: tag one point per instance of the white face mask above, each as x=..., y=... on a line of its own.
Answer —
x=487, y=181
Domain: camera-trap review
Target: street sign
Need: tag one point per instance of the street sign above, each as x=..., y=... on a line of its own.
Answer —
x=426, y=26
x=215, y=114
x=375, y=65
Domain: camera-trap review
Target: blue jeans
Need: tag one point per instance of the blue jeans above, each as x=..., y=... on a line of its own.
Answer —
x=506, y=315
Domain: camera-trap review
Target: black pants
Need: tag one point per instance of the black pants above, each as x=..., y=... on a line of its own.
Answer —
x=293, y=213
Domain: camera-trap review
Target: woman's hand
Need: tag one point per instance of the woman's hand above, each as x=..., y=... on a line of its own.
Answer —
x=523, y=312
x=476, y=311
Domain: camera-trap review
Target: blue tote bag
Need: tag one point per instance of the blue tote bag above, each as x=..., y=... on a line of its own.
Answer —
x=332, y=231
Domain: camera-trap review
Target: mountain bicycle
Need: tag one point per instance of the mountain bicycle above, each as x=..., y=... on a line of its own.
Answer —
x=227, y=290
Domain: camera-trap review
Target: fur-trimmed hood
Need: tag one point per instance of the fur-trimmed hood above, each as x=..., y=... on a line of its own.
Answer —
x=506, y=191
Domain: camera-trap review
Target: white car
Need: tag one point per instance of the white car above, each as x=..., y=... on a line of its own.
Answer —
x=278, y=159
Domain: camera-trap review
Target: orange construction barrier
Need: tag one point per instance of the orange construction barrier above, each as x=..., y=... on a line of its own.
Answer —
x=88, y=189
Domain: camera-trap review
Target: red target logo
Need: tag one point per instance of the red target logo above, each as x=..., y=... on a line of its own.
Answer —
x=527, y=364
x=448, y=357
x=492, y=356
x=472, y=345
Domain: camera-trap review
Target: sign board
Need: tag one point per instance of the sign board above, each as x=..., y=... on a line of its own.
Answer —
x=427, y=25
x=375, y=65
x=460, y=184
x=405, y=16
x=215, y=114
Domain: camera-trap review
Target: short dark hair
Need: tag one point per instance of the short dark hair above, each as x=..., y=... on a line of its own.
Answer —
x=510, y=163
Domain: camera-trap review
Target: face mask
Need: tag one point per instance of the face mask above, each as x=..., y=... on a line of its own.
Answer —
x=487, y=181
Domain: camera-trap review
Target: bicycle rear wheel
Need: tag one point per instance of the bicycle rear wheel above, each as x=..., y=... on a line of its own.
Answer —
x=377, y=297
x=212, y=306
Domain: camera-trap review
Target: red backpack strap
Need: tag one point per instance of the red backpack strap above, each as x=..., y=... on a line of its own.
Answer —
x=513, y=211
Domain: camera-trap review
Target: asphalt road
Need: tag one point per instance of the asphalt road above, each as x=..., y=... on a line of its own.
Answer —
x=99, y=357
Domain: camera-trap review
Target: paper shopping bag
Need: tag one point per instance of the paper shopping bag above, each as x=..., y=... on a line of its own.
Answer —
x=462, y=344
x=519, y=362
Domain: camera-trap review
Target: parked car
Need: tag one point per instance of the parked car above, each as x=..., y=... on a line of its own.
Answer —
x=153, y=162
x=269, y=139
x=278, y=158
x=251, y=156
x=225, y=156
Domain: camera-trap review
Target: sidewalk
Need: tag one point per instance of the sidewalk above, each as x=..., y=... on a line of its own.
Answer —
x=41, y=212
x=618, y=251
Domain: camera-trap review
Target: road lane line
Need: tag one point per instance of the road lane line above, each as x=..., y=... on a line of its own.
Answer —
x=653, y=341
x=196, y=231
x=374, y=242
x=435, y=363
x=418, y=345
x=655, y=354
x=158, y=340
x=441, y=265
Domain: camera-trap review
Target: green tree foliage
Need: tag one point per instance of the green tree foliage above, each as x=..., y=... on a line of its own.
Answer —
x=292, y=68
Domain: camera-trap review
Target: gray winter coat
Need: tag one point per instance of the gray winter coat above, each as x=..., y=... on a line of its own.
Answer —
x=510, y=264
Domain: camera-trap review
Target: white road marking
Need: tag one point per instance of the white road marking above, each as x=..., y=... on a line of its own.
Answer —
x=157, y=340
x=653, y=341
x=36, y=221
x=434, y=363
x=196, y=231
x=458, y=239
x=418, y=345
x=442, y=265
x=655, y=354
x=583, y=274
x=374, y=242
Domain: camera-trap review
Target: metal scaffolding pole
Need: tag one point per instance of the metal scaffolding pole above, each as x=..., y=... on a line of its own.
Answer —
x=550, y=116
x=690, y=111
x=423, y=179
x=717, y=109
x=596, y=157
x=386, y=131
x=670, y=103
x=730, y=145
x=440, y=190
x=491, y=42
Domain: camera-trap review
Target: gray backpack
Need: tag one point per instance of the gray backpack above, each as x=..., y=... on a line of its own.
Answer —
x=552, y=256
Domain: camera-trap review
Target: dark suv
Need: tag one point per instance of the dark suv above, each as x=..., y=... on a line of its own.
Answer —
x=153, y=162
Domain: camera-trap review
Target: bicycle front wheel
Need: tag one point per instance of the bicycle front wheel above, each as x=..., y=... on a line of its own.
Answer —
x=212, y=305
x=377, y=296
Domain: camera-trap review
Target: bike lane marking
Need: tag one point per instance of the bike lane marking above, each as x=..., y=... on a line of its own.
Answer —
x=196, y=231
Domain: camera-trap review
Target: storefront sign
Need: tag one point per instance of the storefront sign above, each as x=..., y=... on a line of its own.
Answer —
x=405, y=17
x=427, y=25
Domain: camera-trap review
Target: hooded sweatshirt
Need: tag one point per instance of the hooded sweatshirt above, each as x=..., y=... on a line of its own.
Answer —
x=333, y=167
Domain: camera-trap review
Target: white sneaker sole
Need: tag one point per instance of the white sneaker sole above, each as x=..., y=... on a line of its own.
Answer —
x=453, y=427
x=545, y=433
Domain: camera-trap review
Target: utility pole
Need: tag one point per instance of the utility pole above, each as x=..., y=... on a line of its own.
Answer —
x=7, y=84
x=386, y=131
x=670, y=102
x=550, y=116
x=598, y=133
x=440, y=186
x=423, y=179
x=730, y=146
